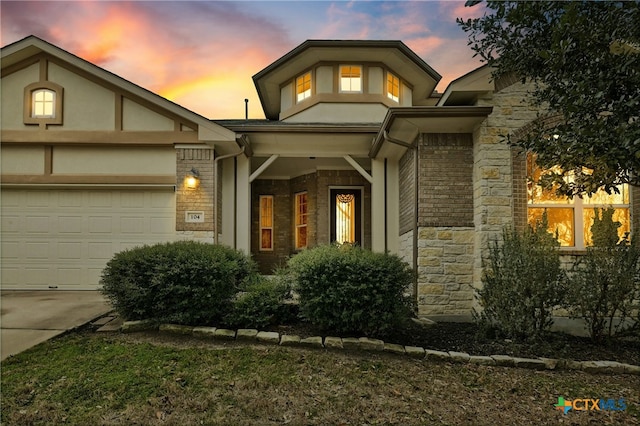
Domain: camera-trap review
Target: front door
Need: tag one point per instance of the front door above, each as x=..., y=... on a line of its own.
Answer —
x=345, y=215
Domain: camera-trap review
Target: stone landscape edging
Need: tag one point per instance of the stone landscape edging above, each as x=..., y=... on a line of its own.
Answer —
x=375, y=345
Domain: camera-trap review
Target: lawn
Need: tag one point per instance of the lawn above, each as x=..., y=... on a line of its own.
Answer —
x=87, y=378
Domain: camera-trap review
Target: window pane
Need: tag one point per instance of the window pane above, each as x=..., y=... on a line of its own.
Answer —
x=303, y=86
x=301, y=237
x=43, y=103
x=536, y=194
x=620, y=215
x=601, y=197
x=393, y=87
x=350, y=78
x=266, y=241
x=266, y=211
x=561, y=223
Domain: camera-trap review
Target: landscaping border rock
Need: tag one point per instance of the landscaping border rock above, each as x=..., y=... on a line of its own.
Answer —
x=375, y=345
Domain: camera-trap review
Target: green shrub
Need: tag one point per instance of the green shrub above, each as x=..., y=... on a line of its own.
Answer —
x=522, y=282
x=348, y=289
x=262, y=304
x=183, y=282
x=605, y=282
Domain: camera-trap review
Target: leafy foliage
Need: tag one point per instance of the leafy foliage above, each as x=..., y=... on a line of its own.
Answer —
x=584, y=59
x=348, y=289
x=605, y=283
x=262, y=304
x=182, y=282
x=522, y=283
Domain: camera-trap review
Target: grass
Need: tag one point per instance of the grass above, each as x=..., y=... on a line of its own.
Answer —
x=89, y=378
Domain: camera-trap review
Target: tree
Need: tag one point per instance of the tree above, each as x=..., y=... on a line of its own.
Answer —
x=583, y=58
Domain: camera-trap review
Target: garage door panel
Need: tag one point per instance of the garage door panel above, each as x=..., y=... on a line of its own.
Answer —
x=64, y=238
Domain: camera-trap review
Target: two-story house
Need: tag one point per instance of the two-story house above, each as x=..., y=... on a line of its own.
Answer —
x=356, y=147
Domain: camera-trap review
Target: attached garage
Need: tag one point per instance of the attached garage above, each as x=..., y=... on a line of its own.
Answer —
x=90, y=165
x=62, y=238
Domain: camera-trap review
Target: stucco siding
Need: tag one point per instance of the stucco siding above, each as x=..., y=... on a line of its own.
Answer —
x=11, y=115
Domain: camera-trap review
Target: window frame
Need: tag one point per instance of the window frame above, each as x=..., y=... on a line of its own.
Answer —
x=350, y=78
x=307, y=93
x=301, y=220
x=30, y=91
x=578, y=206
x=266, y=227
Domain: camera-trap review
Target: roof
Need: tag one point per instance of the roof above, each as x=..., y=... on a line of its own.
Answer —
x=393, y=53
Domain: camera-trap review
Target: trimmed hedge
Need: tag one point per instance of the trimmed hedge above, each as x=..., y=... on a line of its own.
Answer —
x=348, y=289
x=184, y=282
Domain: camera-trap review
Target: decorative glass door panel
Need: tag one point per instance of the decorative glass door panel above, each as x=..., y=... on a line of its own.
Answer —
x=345, y=215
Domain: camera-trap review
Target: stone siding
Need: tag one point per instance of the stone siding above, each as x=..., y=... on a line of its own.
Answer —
x=445, y=271
x=493, y=168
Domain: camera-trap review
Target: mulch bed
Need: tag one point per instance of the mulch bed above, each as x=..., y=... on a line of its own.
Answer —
x=470, y=338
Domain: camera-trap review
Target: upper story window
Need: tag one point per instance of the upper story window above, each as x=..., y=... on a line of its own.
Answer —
x=43, y=103
x=393, y=87
x=351, y=78
x=303, y=87
x=571, y=219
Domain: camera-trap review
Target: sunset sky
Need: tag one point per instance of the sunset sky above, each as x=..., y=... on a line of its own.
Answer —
x=202, y=54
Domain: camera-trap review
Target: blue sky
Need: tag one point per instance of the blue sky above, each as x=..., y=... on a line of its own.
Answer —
x=202, y=54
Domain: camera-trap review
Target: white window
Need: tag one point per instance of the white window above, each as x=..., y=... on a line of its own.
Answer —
x=351, y=78
x=43, y=103
x=571, y=219
x=266, y=222
x=393, y=87
x=301, y=216
x=303, y=87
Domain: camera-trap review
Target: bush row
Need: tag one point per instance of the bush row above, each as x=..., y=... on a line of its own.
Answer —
x=524, y=281
x=342, y=288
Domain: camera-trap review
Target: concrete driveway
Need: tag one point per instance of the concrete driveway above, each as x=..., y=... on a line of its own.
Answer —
x=32, y=317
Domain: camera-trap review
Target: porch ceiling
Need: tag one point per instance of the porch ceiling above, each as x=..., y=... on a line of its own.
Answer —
x=290, y=167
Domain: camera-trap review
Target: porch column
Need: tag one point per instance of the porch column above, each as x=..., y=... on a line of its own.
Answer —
x=378, y=211
x=243, y=204
x=385, y=205
x=236, y=203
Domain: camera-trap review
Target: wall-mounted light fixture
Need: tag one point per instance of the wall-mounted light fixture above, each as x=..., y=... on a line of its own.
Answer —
x=192, y=179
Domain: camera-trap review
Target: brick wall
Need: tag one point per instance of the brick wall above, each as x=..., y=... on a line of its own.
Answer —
x=199, y=199
x=280, y=190
x=445, y=196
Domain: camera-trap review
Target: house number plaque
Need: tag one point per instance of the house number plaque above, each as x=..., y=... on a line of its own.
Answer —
x=194, y=217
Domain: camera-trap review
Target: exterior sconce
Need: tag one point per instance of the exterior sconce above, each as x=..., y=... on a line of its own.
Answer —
x=192, y=179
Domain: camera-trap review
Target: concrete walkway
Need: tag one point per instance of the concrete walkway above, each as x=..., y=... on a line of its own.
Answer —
x=32, y=317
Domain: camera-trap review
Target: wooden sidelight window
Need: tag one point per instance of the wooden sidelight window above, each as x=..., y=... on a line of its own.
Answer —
x=301, y=217
x=345, y=216
x=266, y=222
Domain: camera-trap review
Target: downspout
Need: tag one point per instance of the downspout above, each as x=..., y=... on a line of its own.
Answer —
x=416, y=210
x=215, y=191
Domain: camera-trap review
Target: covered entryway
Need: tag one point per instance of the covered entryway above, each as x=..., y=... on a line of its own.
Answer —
x=62, y=238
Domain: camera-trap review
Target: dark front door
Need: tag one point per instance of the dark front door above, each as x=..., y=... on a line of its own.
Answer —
x=345, y=213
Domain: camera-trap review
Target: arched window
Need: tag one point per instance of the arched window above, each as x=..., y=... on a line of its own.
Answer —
x=43, y=103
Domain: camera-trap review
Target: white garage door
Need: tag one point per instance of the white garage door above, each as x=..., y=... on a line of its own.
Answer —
x=64, y=238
